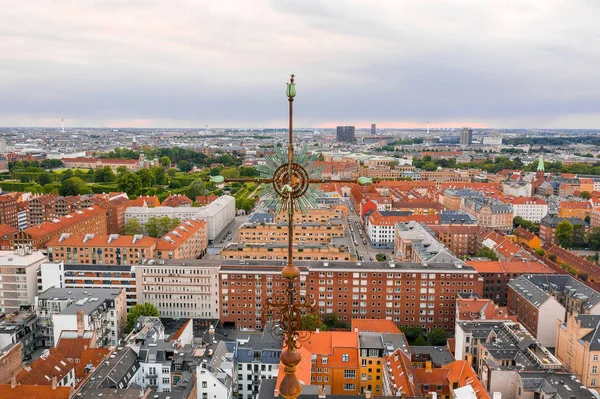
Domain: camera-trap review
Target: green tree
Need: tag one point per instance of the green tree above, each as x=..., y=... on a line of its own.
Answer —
x=109, y=175
x=578, y=236
x=197, y=188
x=485, y=252
x=438, y=336
x=593, y=238
x=172, y=172
x=165, y=161
x=99, y=175
x=249, y=171
x=67, y=174
x=184, y=166
x=552, y=257
x=420, y=341
x=147, y=177
x=133, y=227
x=159, y=226
x=380, y=257
x=230, y=173
x=216, y=171
x=24, y=178
x=585, y=195
x=45, y=178
x=311, y=322
x=130, y=183
x=160, y=176
x=539, y=251
x=174, y=184
x=332, y=321
x=412, y=333
x=121, y=170
x=564, y=234
x=74, y=186
x=145, y=309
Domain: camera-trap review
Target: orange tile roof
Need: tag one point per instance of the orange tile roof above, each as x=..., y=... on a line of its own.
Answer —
x=71, y=348
x=401, y=374
x=45, y=198
x=510, y=267
x=575, y=205
x=461, y=372
x=41, y=371
x=175, y=200
x=327, y=343
x=6, y=230
x=436, y=376
x=377, y=219
x=174, y=238
x=302, y=370
x=137, y=202
x=527, y=201
x=485, y=309
x=375, y=325
x=63, y=222
x=34, y=391
x=524, y=233
x=101, y=241
x=93, y=356
x=178, y=333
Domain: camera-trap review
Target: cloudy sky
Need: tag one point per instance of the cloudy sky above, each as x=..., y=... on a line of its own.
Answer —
x=399, y=63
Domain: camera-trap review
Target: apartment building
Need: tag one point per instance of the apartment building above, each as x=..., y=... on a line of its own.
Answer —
x=279, y=250
x=497, y=274
x=461, y=240
x=540, y=300
x=186, y=241
x=115, y=211
x=41, y=209
x=490, y=212
x=308, y=232
x=96, y=163
x=20, y=327
x=180, y=288
x=69, y=204
x=321, y=216
x=18, y=271
x=574, y=209
x=548, y=226
x=529, y=208
x=412, y=294
x=104, y=312
x=61, y=275
x=86, y=221
x=100, y=249
x=453, y=198
x=578, y=347
x=380, y=226
x=7, y=237
x=9, y=209
x=475, y=308
x=257, y=356
x=416, y=243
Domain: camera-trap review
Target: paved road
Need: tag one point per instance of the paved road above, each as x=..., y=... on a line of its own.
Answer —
x=215, y=249
x=365, y=250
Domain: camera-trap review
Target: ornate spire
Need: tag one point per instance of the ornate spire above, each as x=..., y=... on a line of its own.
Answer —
x=540, y=166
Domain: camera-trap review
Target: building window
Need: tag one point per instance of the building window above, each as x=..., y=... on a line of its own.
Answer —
x=594, y=369
x=324, y=360
x=595, y=358
x=349, y=374
x=349, y=387
x=593, y=383
x=345, y=357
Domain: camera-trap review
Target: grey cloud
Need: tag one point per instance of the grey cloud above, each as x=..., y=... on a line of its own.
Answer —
x=514, y=63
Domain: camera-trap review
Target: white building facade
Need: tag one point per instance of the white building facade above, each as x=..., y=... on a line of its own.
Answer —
x=18, y=278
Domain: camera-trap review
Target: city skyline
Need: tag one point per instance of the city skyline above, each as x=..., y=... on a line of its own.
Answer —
x=398, y=64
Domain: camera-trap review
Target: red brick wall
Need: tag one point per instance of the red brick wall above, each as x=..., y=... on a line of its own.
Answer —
x=10, y=364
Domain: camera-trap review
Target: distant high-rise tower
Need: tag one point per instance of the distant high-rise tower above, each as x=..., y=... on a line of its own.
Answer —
x=62, y=123
x=466, y=136
x=346, y=134
x=373, y=129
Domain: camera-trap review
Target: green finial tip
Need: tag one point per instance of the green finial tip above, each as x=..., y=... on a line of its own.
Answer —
x=291, y=88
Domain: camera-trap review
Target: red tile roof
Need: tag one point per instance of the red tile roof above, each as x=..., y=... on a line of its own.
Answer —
x=175, y=200
x=71, y=348
x=176, y=237
x=575, y=205
x=34, y=391
x=527, y=201
x=6, y=230
x=63, y=222
x=511, y=267
x=93, y=356
x=375, y=325
x=101, y=241
x=41, y=371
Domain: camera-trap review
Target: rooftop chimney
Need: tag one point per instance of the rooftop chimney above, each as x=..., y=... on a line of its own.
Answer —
x=53, y=382
x=13, y=381
x=80, y=323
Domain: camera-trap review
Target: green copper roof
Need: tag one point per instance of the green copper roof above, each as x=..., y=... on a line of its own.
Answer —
x=541, y=163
